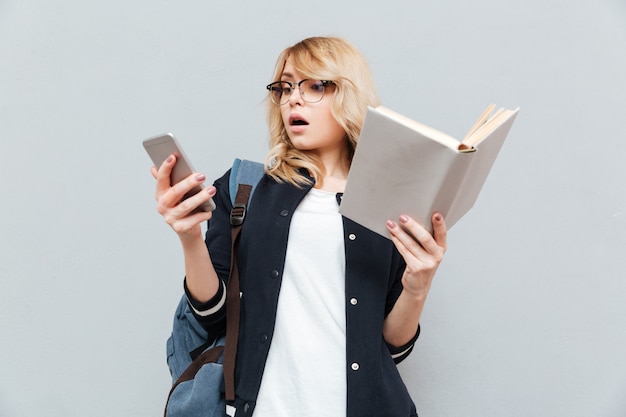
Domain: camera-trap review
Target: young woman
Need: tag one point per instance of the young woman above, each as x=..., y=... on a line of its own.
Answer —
x=328, y=307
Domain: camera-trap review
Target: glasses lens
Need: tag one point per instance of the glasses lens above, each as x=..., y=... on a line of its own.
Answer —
x=312, y=90
x=279, y=92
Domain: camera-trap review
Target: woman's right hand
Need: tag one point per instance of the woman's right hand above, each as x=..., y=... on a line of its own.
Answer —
x=181, y=214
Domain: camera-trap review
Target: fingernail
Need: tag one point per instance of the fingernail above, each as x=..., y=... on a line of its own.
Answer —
x=404, y=219
x=391, y=224
x=170, y=158
x=438, y=217
x=200, y=177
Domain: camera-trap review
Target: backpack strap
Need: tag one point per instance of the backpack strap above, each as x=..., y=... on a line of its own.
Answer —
x=244, y=177
x=244, y=171
x=233, y=296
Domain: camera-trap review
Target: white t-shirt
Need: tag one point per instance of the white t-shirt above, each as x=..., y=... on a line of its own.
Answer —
x=305, y=373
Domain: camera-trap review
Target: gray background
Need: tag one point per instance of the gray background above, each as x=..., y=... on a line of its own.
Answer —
x=527, y=314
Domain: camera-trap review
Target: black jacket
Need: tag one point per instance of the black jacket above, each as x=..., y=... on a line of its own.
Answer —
x=373, y=283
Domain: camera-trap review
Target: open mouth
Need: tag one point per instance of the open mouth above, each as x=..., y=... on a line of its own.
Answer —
x=296, y=120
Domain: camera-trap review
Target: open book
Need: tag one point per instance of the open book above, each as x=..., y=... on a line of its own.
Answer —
x=404, y=167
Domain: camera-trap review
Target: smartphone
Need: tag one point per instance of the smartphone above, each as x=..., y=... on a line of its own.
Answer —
x=162, y=146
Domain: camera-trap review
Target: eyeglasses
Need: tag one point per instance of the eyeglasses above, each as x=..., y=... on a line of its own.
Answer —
x=311, y=91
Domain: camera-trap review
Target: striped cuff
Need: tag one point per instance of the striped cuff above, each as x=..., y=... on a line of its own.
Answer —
x=210, y=307
x=400, y=353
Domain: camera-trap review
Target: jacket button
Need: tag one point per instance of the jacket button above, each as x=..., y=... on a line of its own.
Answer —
x=274, y=274
x=263, y=338
x=355, y=366
x=352, y=236
x=354, y=301
x=284, y=213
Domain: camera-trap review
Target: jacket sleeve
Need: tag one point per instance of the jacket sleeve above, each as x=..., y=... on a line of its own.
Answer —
x=398, y=353
x=212, y=314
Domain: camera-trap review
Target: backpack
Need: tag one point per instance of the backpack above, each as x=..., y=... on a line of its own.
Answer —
x=195, y=361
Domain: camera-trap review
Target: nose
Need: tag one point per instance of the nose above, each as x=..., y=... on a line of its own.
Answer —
x=295, y=98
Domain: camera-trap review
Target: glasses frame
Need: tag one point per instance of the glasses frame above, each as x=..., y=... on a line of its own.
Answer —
x=293, y=86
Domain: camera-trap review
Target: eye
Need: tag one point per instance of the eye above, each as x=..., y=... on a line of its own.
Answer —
x=276, y=89
x=316, y=86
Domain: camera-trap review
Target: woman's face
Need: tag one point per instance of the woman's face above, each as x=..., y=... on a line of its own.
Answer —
x=311, y=127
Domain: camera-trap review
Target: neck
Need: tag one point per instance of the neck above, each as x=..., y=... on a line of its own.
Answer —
x=335, y=173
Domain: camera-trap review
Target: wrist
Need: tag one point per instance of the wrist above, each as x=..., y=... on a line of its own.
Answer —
x=415, y=293
x=415, y=296
x=192, y=240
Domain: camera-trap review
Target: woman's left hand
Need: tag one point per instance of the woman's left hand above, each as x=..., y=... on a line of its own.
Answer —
x=421, y=251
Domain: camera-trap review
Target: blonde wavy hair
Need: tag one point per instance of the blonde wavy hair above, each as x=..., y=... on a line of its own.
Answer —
x=322, y=58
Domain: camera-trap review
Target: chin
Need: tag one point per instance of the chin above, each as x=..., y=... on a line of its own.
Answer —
x=299, y=144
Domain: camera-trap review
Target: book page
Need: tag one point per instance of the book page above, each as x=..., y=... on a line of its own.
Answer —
x=486, y=124
x=481, y=121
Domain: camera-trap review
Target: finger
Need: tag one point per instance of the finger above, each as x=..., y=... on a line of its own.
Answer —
x=163, y=175
x=154, y=171
x=402, y=249
x=406, y=243
x=191, y=203
x=173, y=196
x=440, y=231
x=423, y=240
x=188, y=223
x=416, y=231
x=185, y=187
x=416, y=245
